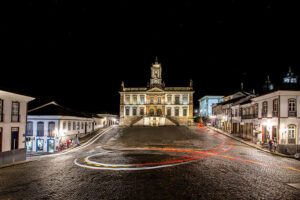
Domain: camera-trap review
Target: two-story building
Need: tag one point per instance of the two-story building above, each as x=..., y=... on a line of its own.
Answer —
x=156, y=105
x=13, y=115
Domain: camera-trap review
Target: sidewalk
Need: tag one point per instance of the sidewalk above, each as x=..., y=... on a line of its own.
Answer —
x=249, y=143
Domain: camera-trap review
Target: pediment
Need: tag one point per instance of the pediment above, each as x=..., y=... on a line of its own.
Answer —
x=155, y=89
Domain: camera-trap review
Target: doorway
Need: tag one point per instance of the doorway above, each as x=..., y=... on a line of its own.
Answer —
x=14, y=138
x=51, y=145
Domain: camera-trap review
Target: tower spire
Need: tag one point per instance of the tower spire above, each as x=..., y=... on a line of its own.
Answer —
x=156, y=60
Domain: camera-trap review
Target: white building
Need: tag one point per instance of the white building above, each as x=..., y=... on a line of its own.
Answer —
x=107, y=119
x=205, y=105
x=51, y=126
x=13, y=115
x=156, y=105
x=278, y=119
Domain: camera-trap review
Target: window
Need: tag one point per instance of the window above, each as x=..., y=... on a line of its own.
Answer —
x=74, y=125
x=236, y=112
x=15, y=111
x=185, y=99
x=275, y=107
x=159, y=112
x=134, y=111
x=177, y=99
x=127, y=99
x=176, y=111
x=151, y=100
x=40, y=129
x=29, y=129
x=69, y=125
x=292, y=134
x=169, y=111
x=292, y=108
x=82, y=125
x=142, y=111
x=264, y=109
x=64, y=125
x=169, y=99
x=1, y=110
x=134, y=97
x=78, y=125
x=151, y=112
x=127, y=111
x=159, y=100
x=184, y=111
x=51, y=127
x=142, y=99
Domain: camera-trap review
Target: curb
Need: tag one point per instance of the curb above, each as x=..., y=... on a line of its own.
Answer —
x=242, y=141
x=16, y=163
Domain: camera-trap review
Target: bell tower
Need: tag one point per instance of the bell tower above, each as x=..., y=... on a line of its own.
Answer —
x=156, y=80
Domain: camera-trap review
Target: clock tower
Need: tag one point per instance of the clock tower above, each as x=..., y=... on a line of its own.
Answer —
x=155, y=80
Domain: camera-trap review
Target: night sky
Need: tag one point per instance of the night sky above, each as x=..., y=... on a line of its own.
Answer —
x=78, y=52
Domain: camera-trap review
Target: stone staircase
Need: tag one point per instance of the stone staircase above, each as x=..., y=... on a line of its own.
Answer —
x=136, y=120
x=173, y=120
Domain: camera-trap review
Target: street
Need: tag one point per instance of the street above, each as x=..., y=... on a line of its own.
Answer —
x=155, y=163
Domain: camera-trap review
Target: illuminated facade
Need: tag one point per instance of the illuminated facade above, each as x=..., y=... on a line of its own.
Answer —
x=205, y=105
x=50, y=126
x=156, y=105
x=278, y=119
x=13, y=114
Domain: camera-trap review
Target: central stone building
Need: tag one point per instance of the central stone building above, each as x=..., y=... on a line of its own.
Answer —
x=156, y=105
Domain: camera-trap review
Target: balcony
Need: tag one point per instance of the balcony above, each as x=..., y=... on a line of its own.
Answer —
x=250, y=116
x=292, y=141
x=292, y=114
x=15, y=118
x=275, y=113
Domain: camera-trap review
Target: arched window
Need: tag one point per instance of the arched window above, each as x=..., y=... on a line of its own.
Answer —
x=40, y=129
x=151, y=112
x=29, y=129
x=291, y=134
x=159, y=112
x=51, y=127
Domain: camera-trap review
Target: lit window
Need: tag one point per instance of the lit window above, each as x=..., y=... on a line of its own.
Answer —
x=51, y=127
x=292, y=104
x=169, y=99
x=142, y=99
x=134, y=98
x=185, y=99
